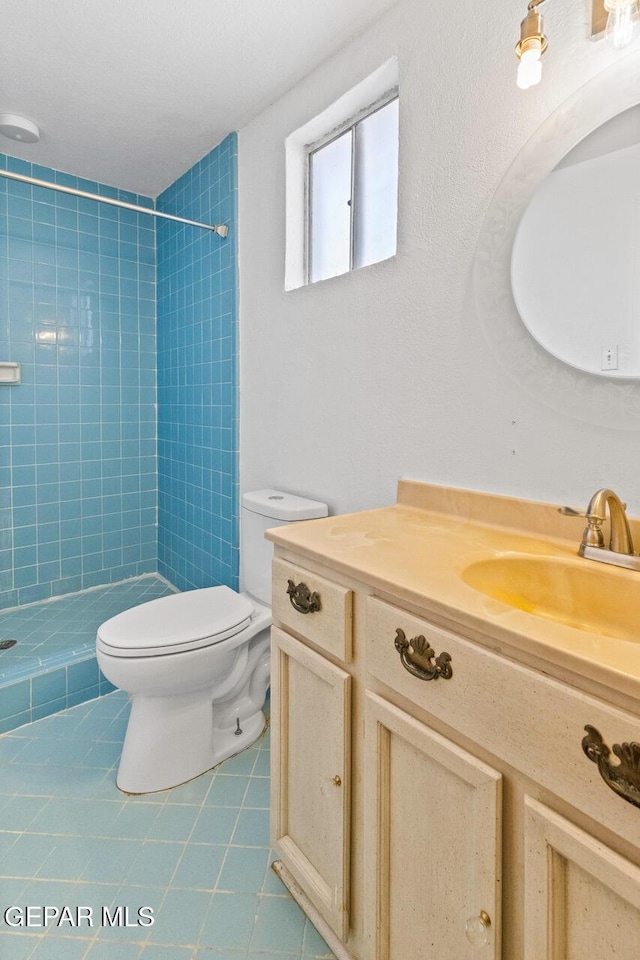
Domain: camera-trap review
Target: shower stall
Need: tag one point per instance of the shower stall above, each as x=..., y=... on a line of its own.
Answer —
x=118, y=412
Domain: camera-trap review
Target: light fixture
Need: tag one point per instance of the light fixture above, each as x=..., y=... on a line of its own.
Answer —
x=531, y=46
x=18, y=128
x=621, y=18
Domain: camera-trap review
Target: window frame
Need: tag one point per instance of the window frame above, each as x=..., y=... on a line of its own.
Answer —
x=315, y=146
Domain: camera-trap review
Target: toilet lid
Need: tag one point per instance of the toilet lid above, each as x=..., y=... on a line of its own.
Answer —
x=182, y=621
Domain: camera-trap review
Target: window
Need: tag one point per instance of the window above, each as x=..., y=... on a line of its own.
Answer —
x=341, y=172
x=352, y=193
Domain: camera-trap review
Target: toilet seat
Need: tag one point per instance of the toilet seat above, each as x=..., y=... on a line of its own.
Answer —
x=175, y=624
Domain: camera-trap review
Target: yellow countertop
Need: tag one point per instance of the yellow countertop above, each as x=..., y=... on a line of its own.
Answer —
x=416, y=550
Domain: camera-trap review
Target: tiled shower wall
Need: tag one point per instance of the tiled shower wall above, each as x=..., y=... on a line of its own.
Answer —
x=197, y=379
x=77, y=436
x=78, y=468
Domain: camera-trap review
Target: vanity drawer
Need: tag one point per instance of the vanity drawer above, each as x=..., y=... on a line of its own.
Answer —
x=313, y=607
x=531, y=721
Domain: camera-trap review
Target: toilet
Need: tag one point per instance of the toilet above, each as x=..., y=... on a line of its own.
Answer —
x=196, y=665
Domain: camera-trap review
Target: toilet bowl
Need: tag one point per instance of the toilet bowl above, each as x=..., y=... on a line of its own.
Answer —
x=196, y=665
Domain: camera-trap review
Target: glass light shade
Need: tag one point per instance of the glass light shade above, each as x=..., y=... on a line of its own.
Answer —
x=530, y=66
x=620, y=27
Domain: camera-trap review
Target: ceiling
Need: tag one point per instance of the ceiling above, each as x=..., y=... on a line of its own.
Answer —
x=133, y=92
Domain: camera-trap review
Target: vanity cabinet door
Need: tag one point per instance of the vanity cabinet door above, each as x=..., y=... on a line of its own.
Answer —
x=432, y=843
x=582, y=900
x=310, y=763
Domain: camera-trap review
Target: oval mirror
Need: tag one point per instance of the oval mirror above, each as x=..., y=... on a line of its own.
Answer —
x=575, y=263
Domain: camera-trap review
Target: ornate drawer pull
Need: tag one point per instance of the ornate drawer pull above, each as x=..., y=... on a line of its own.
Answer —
x=302, y=599
x=421, y=647
x=624, y=777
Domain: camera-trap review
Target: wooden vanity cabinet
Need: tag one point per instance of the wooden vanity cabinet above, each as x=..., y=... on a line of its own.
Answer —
x=432, y=842
x=311, y=774
x=446, y=819
x=311, y=719
x=582, y=900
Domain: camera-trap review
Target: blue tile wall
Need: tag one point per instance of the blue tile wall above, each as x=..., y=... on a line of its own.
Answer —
x=197, y=377
x=78, y=436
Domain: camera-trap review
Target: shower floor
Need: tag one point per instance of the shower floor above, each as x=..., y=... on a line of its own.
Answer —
x=53, y=664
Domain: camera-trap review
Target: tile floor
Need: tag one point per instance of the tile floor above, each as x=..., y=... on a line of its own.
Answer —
x=53, y=665
x=197, y=855
x=63, y=629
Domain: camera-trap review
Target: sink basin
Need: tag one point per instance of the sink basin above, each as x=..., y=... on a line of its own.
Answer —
x=581, y=594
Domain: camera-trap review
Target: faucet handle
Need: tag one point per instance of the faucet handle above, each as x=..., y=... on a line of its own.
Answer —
x=570, y=512
x=592, y=534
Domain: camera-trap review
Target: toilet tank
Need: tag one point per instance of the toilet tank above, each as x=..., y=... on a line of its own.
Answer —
x=261, y=510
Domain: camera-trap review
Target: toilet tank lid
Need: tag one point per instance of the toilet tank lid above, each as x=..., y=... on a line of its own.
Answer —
x=283, y=506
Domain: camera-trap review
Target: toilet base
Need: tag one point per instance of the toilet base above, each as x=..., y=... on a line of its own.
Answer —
x=186, y=707
x=171, y=752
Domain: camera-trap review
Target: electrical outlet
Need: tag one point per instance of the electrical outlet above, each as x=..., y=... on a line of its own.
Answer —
x=609, y=358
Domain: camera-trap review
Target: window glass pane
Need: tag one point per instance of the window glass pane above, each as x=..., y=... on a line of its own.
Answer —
x=376, y=186
x=330, y=228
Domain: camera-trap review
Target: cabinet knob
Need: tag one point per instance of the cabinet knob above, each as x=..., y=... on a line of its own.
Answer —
x=336, y=781
x=302, y=599
x=477, y=929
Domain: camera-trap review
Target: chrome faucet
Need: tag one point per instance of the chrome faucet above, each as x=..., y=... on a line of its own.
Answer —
x=620, y=549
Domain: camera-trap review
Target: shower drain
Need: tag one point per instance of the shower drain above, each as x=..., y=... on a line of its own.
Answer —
x=7, y=644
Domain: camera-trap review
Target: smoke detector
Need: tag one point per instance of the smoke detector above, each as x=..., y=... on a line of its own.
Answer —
x=18, y=128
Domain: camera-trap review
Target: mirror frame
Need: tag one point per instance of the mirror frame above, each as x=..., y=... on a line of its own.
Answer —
x=587, y=396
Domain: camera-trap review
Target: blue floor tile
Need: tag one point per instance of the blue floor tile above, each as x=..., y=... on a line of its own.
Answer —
x=198, y=855
x=199, y=866
x=53, y=665
x=243, y=870
x=279, y=926
x=230, y=920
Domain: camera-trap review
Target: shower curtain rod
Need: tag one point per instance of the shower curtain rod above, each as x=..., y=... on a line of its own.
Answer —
x=220, y=228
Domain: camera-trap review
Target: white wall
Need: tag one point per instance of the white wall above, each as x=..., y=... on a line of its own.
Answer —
x=385, y=373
